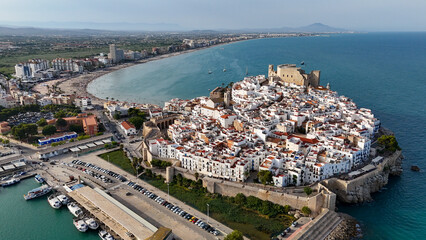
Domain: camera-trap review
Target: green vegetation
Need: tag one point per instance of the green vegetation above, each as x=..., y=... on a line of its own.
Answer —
x=160, y=164
x=24, y=131
x=116, y=116
x=49, y=130
x=119, y=158
x=57, y=143
x=306, y=211
x=234, y=235
x=137, y=122
x=42, y=122
x=256, y=218
x=389, y=142
x=82, y=137
x=265, y=177
x=307, y=190
x=76, y=128
x=61, y=111
x=6, y=113
x=60, y=123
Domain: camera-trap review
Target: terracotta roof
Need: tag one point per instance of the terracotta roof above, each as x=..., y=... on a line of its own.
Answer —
x=126, y=125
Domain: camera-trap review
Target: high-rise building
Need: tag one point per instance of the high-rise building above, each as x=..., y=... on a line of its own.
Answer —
x=116, y=55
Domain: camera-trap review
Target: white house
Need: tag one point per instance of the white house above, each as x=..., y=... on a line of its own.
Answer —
x=128, y=128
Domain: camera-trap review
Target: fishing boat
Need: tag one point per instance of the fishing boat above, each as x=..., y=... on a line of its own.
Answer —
x=80, y=225
x=224, y=69
x=39, y=179
x=74, y=209
x=54, y=202
x=91, y=223
x=302, y=63
x=64, y=199
x=105, y=235
x=210, y=72
x=11, y=182
x=38, y=192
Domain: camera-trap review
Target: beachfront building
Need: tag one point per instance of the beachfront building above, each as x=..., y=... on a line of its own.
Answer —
x=295, y=128
x=67, y=65
x=116, y=55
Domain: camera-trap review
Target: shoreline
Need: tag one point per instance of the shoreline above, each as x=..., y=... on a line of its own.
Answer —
x=78, y=84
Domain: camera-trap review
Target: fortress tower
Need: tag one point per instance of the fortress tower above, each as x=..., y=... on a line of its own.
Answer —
x=290, y=74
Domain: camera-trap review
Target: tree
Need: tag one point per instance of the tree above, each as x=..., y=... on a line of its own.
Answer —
x=49, y=130
x=306, y=210
x=76, y=128
x=240, y=199
x=307, y=190
x=234, y=235
x=24, y=130
x=137, y=122
x=42, y=122
x=60, y=114
x=116, y=116
x=60, y=122
x=264, y=176
x=196, y=175
x=389, y=142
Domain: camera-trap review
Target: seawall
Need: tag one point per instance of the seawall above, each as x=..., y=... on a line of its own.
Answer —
x=359, y=189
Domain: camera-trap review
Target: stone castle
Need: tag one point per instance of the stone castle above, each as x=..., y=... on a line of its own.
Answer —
x=290, y=74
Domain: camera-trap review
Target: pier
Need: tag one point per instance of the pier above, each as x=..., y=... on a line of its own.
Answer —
x=117, y=217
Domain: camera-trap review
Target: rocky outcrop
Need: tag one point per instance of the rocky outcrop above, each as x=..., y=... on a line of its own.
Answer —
x=348, y=228
x=359, y=189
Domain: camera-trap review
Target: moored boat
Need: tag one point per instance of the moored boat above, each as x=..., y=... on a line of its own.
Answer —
x=38, y=192
x=91, y=223
x=105, y=235
x=11, y=182
x=64, y=199
x=80, y=225
x=74, y=209
x=39, y=179
x=54, y=202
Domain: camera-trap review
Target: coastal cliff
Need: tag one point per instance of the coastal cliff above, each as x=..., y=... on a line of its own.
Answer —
x=359, y=189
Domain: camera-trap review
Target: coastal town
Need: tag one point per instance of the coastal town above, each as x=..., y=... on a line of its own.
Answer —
x=285, y=140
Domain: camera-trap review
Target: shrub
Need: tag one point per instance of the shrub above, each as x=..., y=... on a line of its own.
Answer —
x=306, y=210
x=307, y=190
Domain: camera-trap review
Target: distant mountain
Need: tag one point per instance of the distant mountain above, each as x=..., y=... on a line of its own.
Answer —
x=89, y=29
x=313, y=28
x=319, y=27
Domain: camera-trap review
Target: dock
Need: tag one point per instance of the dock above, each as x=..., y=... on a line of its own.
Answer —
x=117, y=217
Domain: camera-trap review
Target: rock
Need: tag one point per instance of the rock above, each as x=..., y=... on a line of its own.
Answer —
x=415, y=168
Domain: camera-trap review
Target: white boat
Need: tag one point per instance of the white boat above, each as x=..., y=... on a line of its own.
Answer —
x=80, y=225
x=54, y=202
x=105, y=235
x=39, y=179
x=91, y=223
x=64, y=199
x=38, y=192
x=74, y=209
x=11, y=182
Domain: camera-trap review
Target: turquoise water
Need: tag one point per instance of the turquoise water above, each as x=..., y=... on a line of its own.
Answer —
x=35, y=219
x=382, y=71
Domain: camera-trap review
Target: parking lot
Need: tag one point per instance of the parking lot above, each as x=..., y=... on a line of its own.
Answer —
x=148, y=208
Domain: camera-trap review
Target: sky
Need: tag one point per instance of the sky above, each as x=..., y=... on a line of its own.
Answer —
x=367, y=15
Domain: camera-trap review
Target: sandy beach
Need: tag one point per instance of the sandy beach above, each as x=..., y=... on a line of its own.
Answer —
x=78, y=84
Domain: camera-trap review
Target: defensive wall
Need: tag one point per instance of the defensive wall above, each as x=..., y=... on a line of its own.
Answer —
x=359, y=189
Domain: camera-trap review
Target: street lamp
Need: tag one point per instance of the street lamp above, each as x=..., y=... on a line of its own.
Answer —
x=208, y=215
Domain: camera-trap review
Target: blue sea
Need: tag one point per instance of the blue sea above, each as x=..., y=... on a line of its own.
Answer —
x=385, y=72
x=35, y=219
